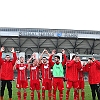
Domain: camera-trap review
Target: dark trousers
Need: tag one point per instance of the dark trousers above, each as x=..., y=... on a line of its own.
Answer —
x=0, y=87
x=9, y=87
x=95, y=90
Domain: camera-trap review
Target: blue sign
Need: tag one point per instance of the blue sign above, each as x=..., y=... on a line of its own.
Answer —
x=59, y=34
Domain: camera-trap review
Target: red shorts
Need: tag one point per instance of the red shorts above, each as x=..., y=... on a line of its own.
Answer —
x=81, y=84
x=34, y=84
x=58, y=82
x=71, y=84
x=47, y=84
x=22, y=84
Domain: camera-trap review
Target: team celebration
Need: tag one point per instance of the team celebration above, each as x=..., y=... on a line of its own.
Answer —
x=47, y=74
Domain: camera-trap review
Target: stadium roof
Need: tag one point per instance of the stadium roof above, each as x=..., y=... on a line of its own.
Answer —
x=44, y=32
x=43, y=29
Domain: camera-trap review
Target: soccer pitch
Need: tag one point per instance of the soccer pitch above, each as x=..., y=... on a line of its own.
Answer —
x=87, y=93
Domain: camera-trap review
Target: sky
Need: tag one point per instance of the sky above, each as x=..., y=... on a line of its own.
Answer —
x=52, y=14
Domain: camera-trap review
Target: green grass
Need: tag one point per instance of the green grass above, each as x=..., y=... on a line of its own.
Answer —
x=87, y=93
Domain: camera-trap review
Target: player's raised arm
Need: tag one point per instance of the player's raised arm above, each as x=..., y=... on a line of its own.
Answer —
x=14, y=56
x=34, y=58
x=40, y=58
x=64, y=55
x=50, y=58
x=28, y=61
x=1, y=50
x=46, y=51
x=97, y=62
x=15, y=66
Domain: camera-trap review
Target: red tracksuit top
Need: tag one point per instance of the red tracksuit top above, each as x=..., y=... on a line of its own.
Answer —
x=46, y=71
x=7, y=72
x=34, y=72
x=72, y=70
x=21, y=69
x=93, y=70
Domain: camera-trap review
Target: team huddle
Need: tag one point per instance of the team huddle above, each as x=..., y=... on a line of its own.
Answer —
x=54, y=80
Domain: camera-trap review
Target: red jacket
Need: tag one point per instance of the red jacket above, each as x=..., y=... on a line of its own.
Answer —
x=72, y=69
x=7, y=68
x=93, y=70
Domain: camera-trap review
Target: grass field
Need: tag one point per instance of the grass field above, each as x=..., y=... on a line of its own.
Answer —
x=87, y=93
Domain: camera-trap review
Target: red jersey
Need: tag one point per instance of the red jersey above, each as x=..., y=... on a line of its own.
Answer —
x=46, y=71
x=21, y=68
x=34, y=72
x=7, y=72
